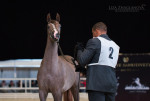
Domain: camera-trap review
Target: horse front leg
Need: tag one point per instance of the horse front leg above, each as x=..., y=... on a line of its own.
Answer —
x=75, y=88
x=57, y=96
x=43, y=95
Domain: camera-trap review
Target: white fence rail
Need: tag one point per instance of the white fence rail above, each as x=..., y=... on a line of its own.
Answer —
x=27, y=84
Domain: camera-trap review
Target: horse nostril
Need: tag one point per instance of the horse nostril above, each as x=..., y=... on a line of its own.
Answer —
x=57, y=35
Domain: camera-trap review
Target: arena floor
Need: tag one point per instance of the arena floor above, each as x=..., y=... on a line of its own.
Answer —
x=26, y=99
x=31, y=97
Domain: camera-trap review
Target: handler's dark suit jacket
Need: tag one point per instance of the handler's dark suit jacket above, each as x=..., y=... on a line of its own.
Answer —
x=99, y=77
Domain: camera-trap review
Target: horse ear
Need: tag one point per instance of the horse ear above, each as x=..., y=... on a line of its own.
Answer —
x=57, y=17
x=48, y=17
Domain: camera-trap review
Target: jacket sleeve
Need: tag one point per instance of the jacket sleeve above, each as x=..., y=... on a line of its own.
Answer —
x=84, y=57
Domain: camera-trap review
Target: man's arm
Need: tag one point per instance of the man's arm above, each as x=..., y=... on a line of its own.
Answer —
x=85, y=57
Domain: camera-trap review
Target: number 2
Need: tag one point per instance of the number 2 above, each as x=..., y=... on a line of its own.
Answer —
x=111, y=52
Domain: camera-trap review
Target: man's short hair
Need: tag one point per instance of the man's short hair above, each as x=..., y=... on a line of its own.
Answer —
x=100, y=26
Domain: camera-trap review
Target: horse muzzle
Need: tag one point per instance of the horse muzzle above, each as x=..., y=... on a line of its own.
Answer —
x=55, y=36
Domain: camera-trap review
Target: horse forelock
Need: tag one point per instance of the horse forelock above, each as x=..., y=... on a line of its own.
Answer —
x=54, y=21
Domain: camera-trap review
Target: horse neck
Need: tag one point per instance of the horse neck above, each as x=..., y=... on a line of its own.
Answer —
x=51, y=52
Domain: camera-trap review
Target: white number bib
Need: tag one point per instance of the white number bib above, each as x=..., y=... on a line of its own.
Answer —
x=109, y=53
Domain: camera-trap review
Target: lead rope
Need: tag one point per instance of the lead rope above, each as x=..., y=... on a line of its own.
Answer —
x=73, y=60
x=61, y=52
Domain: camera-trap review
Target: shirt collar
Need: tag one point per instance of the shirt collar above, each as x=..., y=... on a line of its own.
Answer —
x=105, y=36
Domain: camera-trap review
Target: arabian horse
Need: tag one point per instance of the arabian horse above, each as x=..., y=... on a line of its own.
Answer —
x=56, y=75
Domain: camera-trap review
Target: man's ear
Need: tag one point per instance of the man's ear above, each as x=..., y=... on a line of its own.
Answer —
x=98, y=31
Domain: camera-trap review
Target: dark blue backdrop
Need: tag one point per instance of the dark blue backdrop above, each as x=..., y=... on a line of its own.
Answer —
x=23, y=23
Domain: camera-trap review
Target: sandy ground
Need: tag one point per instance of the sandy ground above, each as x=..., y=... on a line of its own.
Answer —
x=24, y=99
x=32, y=97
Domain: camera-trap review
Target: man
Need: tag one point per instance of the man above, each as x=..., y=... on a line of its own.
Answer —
x=100, y=56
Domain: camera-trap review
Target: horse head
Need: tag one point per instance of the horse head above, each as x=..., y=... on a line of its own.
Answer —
x=53, y=28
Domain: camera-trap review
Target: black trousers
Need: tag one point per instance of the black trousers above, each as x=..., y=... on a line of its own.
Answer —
x=101, y=96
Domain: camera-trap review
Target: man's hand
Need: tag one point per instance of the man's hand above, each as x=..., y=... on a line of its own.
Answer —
x=79, y=46
x=80, y=69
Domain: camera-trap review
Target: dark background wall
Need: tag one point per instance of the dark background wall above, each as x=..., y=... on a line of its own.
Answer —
x=23, y=25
